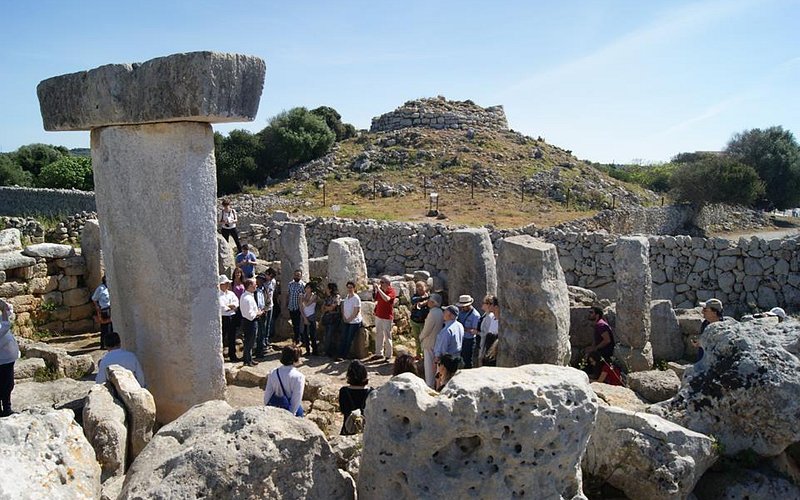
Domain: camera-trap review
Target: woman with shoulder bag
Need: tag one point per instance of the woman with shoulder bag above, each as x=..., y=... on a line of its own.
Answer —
x=285, y=384
x=353, y=398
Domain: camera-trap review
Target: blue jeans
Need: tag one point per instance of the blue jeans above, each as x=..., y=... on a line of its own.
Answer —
x=264, y=332
x=348, y=334
x=310, y=335
x=330, y=346
x=466, y=351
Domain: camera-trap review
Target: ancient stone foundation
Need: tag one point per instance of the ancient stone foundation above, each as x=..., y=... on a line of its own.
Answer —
x=439, y=113
x=632, y=334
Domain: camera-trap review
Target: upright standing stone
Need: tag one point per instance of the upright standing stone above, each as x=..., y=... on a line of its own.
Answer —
x=632, y=335
x=665, y=331
x=155, y=186
x=346, y=263
x=534, y=300
x=294, y=256
x=92, y=251
x=472, y=268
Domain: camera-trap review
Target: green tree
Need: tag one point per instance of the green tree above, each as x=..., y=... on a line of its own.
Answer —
x=717, y=179
x=237, y=158
x=334, y=121
x=33, y=157
x=67, y=173
x=775, y=155
x=293, y=137
x=12, y=174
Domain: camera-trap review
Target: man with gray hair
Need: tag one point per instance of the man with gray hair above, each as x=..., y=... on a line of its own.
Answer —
x=427, y=336
x=450, y=338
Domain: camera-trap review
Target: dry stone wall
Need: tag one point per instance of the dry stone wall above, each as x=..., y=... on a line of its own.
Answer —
x=747, y=275
x=439, y=113
x=48, y=202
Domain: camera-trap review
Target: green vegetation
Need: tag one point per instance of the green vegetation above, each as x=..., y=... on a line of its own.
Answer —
x=717, y=179
x=43, y=165
x=295, y=136
x=653, y=177
x=46, y=374
x=12, y=174
x=67, y=173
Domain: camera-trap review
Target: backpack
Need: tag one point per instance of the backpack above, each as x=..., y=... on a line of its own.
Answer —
x=354, y=423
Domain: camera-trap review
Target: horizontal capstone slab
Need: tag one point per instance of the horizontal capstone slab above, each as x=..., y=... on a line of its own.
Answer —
x=208, y=87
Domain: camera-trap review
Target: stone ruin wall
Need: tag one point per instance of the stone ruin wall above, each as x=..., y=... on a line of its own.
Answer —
x=746, y=275
x=439, y=113
x=48, y=202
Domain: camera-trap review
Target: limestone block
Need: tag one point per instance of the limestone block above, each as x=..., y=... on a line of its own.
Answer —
x=743, y=483
x=140, y=406
x=67, y=283
x=318, y=267
x=73, y=261
x=249, y=376
x=737, y=378
x=104, y=427
x=536, y=324
x=619, y=396
x=665, y=334
x=646, y=456
x=172, y=234
x=92, y=253
x=80, y=326
x=472, y=268
x=49, y=250
x=286, y=457
x=632, y=359
x=15, y=260
x=581, y=330
x=2, y=277
x=45, y=455
x=632, y=268
x=81, y=312
x=689, y=321
x=225, y=258
x=654, y=385
x=10, y=240
x=26, y=368
x=11, y=289
x=346, y=263
x=293, y=256
x=64, y=393
x=368, y=314
x=75, y=270
x=192, y=87
x=76, y=297
x=507, y=433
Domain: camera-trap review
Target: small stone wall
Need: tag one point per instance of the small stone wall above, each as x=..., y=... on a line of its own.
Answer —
x=67, y=231
x=439, y=113
x=17, y=201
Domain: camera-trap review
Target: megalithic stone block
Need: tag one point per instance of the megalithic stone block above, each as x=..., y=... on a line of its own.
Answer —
x=634, y=287
x=472, y=269
x=155, y=185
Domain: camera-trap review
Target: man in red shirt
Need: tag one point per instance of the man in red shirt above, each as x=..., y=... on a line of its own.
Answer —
x=384, y=296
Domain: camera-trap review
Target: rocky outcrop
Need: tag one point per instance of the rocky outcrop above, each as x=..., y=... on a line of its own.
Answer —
x=491, y=433
x=741, y=483
x=346, y=263
x=140, y=406
x=104, y=427
x=45, y=455
x=654, y=385
x=215, y=451
x=646, y=456
x=744, y=390
x=616, y=395
x=58, y=394
x=534, y=298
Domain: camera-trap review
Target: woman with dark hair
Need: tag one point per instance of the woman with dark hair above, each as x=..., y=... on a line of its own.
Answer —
x=353, y=396
x=285, y=384
x=448, y=366
x=331, y=320
x=404, y=363
x=351, y=316
x=308, y=310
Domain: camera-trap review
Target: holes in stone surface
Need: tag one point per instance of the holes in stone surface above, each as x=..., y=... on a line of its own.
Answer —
x=506, y=432
x=406, y=420
x=457, y=454
x=518, y=448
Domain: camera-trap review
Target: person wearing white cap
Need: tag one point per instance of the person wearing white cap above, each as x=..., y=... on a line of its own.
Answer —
x=778, y=313
x=469, y=318
x=228, y=303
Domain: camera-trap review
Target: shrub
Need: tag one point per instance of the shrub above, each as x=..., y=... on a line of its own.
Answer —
x=717, y=179
x=67, y=173
x=12, y=174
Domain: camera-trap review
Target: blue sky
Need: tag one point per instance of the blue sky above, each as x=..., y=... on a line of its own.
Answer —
x=610, y=80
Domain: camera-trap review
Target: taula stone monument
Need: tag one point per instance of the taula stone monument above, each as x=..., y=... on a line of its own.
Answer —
x=155, y=186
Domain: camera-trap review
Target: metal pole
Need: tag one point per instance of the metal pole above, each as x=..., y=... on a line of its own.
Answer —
x=424, y=186
x=569, y=192
x=613, y=201
x=374, y=188
x=472, y=187
x=662, y=201
x=323, y=196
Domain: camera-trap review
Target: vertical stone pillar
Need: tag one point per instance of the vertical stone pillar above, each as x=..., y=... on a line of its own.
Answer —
x=92, y=252
x=155, y=185
x=293, y=256
x=472, y=269
x=634, y=283
x=346, y=263
x=534, y=304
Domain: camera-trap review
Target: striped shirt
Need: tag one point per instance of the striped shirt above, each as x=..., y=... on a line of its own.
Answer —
x=295, y=290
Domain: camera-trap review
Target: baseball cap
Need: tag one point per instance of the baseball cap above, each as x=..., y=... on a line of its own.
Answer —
x=713, y=304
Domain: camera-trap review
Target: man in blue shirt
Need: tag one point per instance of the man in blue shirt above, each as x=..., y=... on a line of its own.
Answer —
x=449, y=338
x=469, y=317
x=247, y=261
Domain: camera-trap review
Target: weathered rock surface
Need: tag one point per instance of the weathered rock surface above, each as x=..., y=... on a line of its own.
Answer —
x=58, y=394
x=646, y=456
x=140, y=406
x=491, y=433
x=15, y=259
x=225, y=258
x=26, y=368
x=92, y=252
x=654, y=385
x=104, y=427
x=10, y=240
x=634, y=284
x=49, y=250
x=61, y=361
x=534, y=295
x=45, y=455
x=215, y=451
x=472, y=268
x=744, y=390
x=346, y=263
x=616, y=395
x=745, y=484
x=192, y=87
x=293, y=256
x=665, y=332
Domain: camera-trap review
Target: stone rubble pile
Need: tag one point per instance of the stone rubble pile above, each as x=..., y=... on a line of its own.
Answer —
x=439, y=113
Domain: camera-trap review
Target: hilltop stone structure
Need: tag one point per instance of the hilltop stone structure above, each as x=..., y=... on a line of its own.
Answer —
x=155, y=190
x=439, y=113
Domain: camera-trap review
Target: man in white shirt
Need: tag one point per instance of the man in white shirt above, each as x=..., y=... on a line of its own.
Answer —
x=250, y=314
x=351, y=318
x=119, y=356
x=265, y=293
x=228, y=303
